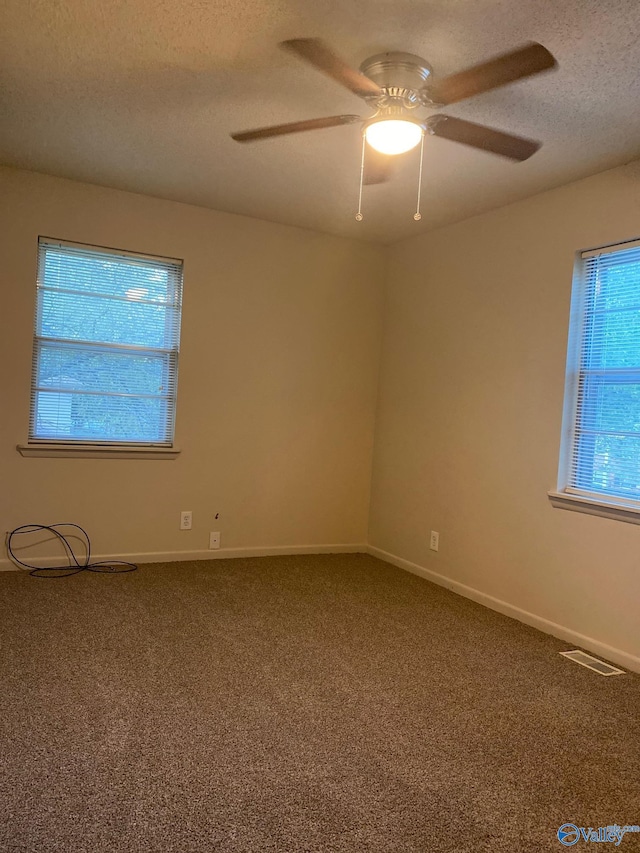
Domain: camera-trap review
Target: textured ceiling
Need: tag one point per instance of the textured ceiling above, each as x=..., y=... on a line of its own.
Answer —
x=142, y=96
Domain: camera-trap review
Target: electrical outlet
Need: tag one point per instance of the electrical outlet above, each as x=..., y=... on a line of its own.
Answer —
x=186, y=520
x=434, y=542
x=214, y=541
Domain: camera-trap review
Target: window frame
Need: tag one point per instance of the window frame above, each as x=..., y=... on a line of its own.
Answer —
x=567, y=495
x=97, y=447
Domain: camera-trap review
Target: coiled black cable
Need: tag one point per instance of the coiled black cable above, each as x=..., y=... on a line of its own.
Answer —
x=75, y=565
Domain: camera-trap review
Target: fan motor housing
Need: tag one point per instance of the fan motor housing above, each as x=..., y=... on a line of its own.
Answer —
x=399, y=75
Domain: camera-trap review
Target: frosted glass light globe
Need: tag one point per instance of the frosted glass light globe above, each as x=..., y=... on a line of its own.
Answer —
x=393, y=136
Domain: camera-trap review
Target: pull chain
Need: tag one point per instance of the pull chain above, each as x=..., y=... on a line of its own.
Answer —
x=417, y=215
x=359, y=213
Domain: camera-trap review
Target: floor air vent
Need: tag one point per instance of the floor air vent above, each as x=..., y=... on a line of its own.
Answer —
x=592, y=663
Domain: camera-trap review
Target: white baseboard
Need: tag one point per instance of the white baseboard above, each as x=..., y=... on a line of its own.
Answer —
x=221, y=554
x=623, y=659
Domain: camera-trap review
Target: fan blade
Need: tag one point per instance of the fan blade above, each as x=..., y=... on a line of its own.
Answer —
x=378, y=167
x=530, y=59
x=322, y=57
x=293, y=127
x=485, y=138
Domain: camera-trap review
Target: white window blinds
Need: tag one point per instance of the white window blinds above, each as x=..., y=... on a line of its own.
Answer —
x=107, y=331
x=604, y=457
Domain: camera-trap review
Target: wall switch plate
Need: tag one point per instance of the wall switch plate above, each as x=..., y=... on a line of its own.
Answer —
x=214, y=541
x=186, y=520
x=434, y=542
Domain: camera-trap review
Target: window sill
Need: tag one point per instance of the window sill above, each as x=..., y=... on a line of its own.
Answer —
x=95, y=451
x=602, y=508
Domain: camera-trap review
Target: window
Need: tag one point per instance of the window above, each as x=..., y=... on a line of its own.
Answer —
x=105, y=360
x=601, y=432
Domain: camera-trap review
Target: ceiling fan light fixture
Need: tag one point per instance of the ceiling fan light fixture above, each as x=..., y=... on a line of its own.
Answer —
x=393, y=135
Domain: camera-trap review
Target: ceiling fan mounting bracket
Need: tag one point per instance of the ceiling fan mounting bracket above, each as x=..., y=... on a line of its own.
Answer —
x=432, y=122
x=427, y=101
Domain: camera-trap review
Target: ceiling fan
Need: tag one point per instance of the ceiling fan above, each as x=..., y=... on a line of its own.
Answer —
x=396, y=85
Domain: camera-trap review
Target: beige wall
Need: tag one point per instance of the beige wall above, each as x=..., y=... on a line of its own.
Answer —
x=277, y=385
x=277, y=394
x=470, y=410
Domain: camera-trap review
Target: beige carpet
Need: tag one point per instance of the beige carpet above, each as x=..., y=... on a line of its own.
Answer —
x=317, y=703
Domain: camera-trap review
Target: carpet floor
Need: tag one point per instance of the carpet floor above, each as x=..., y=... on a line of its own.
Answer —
x=292, y=704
